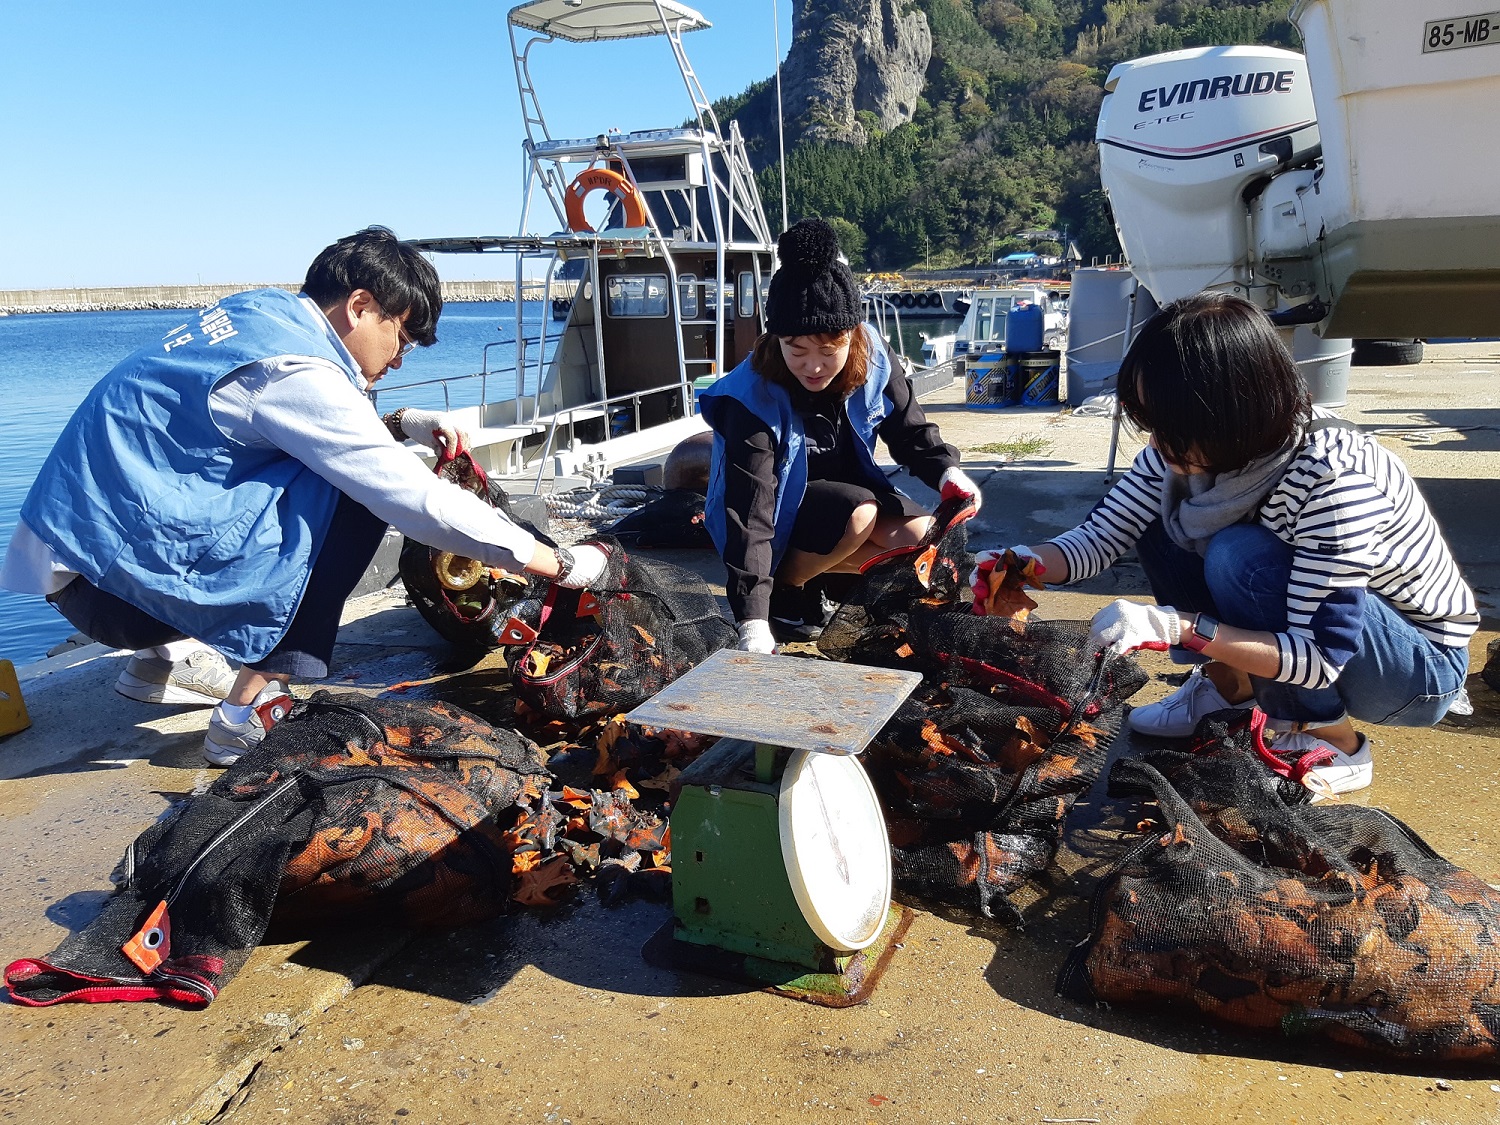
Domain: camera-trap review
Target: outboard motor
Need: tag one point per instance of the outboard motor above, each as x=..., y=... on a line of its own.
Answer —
x=1383, y=222
x=1188, y=141
x=1408, y=242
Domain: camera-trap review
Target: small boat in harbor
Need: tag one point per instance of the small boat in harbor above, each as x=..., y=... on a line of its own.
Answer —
x=937, y=349
x=983, y=327
x=666, y=235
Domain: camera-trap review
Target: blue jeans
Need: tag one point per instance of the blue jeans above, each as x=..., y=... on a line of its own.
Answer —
x=1397, y=678
x=353, y=537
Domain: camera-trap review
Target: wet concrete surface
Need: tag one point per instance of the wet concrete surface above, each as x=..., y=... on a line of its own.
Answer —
x=555, y=1017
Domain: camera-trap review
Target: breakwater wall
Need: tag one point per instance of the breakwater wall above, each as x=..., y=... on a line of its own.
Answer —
x=201, y=296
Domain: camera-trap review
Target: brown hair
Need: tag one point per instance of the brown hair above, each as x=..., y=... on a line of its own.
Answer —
x=769, y=364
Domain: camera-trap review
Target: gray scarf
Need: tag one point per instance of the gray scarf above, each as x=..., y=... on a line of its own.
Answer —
x=1196, y=506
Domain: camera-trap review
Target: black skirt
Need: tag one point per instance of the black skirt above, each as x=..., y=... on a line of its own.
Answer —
x=827, y=505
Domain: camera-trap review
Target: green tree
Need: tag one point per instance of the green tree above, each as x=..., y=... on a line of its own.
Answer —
x=851, y=240
x=1002, y=137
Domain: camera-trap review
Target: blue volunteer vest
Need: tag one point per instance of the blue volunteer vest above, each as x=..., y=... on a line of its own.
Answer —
x=149, y=501
x=866, y=408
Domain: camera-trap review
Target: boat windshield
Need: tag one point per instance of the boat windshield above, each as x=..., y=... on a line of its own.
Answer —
x=989, y=317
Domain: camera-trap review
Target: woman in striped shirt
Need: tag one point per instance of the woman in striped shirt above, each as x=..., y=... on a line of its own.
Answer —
x=1291, y=551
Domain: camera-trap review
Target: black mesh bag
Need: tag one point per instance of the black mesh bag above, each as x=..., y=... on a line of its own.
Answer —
x=1258, y=909
x=350, y=808
x=605, y=650
x=673, y=519
x=980, y=767
x=869, y=627
x=466, y=602
x=1046, y=663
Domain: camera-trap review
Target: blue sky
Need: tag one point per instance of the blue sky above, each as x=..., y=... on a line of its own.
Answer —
x=171, y=143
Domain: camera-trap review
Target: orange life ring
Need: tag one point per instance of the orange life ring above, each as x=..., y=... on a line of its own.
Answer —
x=591, y=179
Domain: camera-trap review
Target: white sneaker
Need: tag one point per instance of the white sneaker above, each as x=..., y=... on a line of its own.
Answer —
x=1177, y=715
x=1344, y=773
x=226, y=742
x=203, y=678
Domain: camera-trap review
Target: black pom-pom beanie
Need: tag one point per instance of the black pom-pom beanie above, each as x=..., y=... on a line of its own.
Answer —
x=813, y=292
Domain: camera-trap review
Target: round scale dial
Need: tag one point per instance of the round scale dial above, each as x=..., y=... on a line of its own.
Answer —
x=837, y=853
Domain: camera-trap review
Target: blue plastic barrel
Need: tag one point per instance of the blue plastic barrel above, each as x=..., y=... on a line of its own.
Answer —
x=1024, y=326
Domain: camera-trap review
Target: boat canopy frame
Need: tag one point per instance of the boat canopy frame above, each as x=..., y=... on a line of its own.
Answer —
x=598, y=22
x=725, y=165
x=714, y=208
x=728, y=181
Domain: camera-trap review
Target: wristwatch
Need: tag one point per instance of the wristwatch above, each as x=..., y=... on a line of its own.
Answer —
x=565, y=563
x=1204, y=630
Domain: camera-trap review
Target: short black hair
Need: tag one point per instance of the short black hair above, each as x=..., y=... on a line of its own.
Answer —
x=1210, y=378
x=393, y=271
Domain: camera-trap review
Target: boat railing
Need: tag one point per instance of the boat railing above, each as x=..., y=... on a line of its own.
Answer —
x=879, y=304
x=445, y=381
x=599, y=408
x=605, y=408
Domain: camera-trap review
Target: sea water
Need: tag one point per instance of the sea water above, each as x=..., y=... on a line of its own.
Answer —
x=48, y=362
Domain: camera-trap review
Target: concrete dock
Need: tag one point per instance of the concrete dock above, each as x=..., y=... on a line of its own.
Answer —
x=556, y=1018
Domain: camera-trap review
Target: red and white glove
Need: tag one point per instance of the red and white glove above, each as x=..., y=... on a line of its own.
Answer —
x=955, y=483
x=986, y=561
x=1123, y=626
x=755, y=636
x=434, y=429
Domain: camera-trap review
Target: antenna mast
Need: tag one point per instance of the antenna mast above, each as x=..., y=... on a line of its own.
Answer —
x=780, y=125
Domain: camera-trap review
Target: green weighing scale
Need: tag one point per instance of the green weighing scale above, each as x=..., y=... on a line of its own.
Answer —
x=781, y=866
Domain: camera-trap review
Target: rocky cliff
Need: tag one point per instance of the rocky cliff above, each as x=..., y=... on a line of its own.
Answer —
x=850, y=57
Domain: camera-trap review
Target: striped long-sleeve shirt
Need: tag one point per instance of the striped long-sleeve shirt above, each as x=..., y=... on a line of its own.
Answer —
x=1356, y=523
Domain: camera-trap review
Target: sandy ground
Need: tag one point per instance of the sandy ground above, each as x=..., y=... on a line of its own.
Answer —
x=556, y=1018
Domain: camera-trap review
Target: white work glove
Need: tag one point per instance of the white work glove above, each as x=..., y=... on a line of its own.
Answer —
x=1123, y=626
x=755, y=636
x=434, y=429
x=956, y=482
x=985, y=563
x=589, y=562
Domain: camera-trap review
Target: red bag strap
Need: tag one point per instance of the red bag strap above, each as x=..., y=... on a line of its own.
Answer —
x=35, y=983
x=447, y=456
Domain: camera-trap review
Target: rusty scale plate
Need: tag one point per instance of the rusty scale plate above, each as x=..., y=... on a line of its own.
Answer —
x=819, y=705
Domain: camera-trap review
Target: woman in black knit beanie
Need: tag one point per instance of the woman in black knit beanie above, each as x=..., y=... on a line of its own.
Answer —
x=794, y=491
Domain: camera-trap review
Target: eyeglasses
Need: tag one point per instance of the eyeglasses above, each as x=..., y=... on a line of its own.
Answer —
x=406, y=342
x=406, y=345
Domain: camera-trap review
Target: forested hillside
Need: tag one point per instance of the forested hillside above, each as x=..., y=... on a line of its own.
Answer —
x=1001, y=140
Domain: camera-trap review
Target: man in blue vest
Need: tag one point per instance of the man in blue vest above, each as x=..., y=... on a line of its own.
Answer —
x=229, y=485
